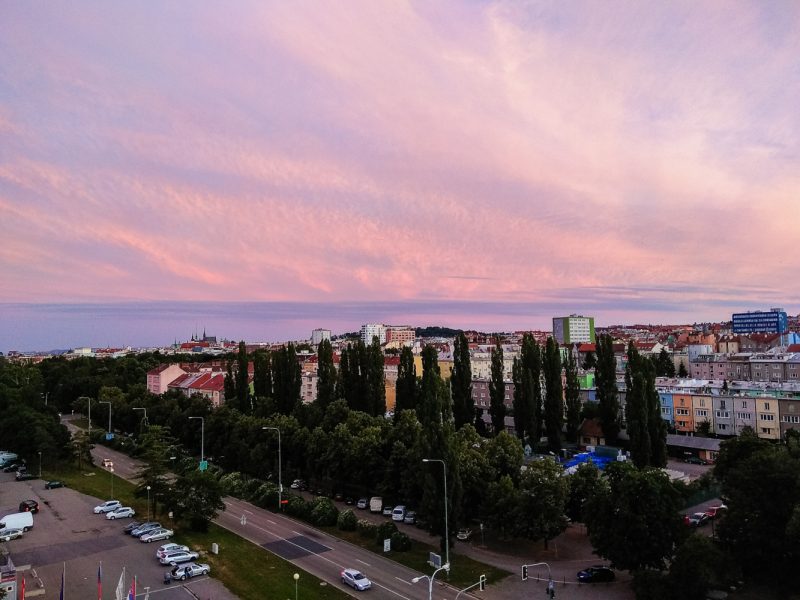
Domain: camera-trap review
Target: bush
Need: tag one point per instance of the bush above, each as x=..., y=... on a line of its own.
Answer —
x=266, y=496
x=323, y=512
x=233, y=484
x=400, y=542
x=251, y=487
x=366, y=529
x=297, y=507
x=385, y=531
x=347, y=520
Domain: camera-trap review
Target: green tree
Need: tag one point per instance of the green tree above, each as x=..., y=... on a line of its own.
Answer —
x=572, y=395
x=695, y=568
x=262, y=375
x=286, y=379
x=155, y=444
x=656, y=425
x=554, y=395
x=82, y=448
x=406, y=386
x=633, y=520
x=590, y=361
x=474, y=469
x=505, y=455
x=229, y=388
x=637, y=419
x=682, y=372
x=583, y=484
x=497, y=391
x=606, y=384
x=543, y=494
x=736, y=450
x=461, y=383
x=500, y=505
x=196, y=497
x=326, y=375
x=242, y=380
x=376, y=379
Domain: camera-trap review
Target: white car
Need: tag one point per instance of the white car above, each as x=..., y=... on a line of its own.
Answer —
x=167, y=548
x=107, y=507
x=464, y=534
x=120, y=513
x=192, y=570
x=399, y=513
x=10, y=534
x=296, y=484
x=173, y=558
x=156, y=535
x=355, y=579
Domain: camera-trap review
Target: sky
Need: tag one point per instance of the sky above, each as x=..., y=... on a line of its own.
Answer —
x=634, y=160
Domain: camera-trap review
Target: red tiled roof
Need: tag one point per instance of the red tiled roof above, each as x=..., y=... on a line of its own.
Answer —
x=587, y=348
x=590, y=428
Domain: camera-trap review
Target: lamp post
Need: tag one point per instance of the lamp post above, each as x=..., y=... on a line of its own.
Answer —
x=148, y=502
x=296, y=577
x=89, y=402
x=111, y=470
x=280, y=485
x=109, y=414
x=430, y=579
x=202, y=437
x=144, y=419
x=40, y=465
x=549, y=575
x=446, y=530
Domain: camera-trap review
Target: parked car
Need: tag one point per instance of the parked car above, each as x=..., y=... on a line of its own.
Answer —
x=698, y=519
x=51, y=485
x=167, y=548
x=362, y=503
x=9, y=534
x=131, y=526
x=296, y=484
x=375, y=504
x=29, y=506
x=156, y=535
x=13, y=465
x=464, y=534
x=596, y=574
x=144, y=528
x=349, y=501
x=338, y=496
x=355, y=579
x=399, y=513
x=192, y=570
x=25, y=476
x=20, y=520
x=716, y=511
x=107, y=462
x=695, y=460
x=107, y=507
x=411, y=517
x=120, y=513
x=387, y=511
x=173, y=558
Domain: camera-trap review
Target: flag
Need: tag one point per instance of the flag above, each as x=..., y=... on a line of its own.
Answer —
x=63, y=576
x=100, y=581
x=22, y=597
x=120, y=595
x=132, y=593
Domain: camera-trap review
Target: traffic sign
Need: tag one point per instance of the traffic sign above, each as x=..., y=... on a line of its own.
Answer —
x=109, y=436
x=203, y=465
x=387, y=545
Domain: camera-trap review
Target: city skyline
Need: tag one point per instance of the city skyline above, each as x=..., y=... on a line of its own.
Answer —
x=627, y=158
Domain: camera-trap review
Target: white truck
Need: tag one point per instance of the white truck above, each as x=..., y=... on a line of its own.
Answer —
x=22, y=521
x=376, y=504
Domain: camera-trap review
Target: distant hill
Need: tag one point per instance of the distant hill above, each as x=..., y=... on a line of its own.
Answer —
x=436, y=332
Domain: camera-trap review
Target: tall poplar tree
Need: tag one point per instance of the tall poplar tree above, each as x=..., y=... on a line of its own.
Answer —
x=554, y=395
x=607, y=393
x=376, y=379
x=520, y=397
x=526, y=373
x=572, y=396
x=242, y=380
x=406, y=386
x=287, y=379
x=326, y=374
x=229, y=388
x=656, y=425
x=497, y=390
x=461, y=383
x=262, y=375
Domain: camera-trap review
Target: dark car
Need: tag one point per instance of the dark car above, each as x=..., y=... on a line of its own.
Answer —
x=29, y=506
x=144, y=528
x=694, y=460
x=698, y=519
x=596, y=574
x=350, y=501
x=131, y=526
x=25, y=476
x=14, y=465
x=339, y=497
x=51, y=485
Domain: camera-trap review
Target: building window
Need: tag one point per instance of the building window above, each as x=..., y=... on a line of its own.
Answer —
x=702, y=402
x=766, y=417
x=766, y=430
x=744, y=416
x=744, y=404
x=701, y=413
x=722, y=426
x=682, y=411
x=665, y=411
x=790, y=419
x=723, y=414
x=766, y=405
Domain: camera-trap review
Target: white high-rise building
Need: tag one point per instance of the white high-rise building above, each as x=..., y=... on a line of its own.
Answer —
x=370, y=330
x=574, y=328
x=320, y=334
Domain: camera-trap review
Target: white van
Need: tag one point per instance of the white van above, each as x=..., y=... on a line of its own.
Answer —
x=22, y=521
x=376, y=504
x=399, y=513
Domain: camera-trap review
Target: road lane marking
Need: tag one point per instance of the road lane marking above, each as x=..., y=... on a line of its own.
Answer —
x=388, y=590
x=248, y=511
x=404, y=581
x=297, y=532
x=362, y=562
x=273, y=522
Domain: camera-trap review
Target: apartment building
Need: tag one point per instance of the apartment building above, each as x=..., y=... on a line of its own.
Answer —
x=682, y=413
x=371, y=330
x=481, y=397
x=789, y=411
x=159, y=378
x=400, y=334
x=573, y=329
x=702, y=408
x=768, y=418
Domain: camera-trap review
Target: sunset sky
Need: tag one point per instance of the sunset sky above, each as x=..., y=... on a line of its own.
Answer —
x=629, y=160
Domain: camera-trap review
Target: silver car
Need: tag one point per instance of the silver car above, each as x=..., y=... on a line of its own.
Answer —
x=167, y=548
x=173, y=558
x=156, y=535
x=122, y=512
x=107, y=507
x=10, y=534
x=193, y=570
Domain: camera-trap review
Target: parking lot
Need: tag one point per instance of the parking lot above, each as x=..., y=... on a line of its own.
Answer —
x=67, y=532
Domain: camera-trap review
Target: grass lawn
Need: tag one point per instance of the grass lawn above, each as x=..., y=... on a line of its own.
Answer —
x=464, y=571
x=245, y=568
x=80, y=423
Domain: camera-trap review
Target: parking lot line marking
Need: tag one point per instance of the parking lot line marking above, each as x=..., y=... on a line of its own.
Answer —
x=404, y=581
x=388, y=590
x=362, y=562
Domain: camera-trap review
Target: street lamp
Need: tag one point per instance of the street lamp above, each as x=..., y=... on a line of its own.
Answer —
x=430, y=579
x=40, y=465
x=109, y=414
x=296, y=577
x=89, y=402
x=144, y=420
x=280, y=485
x=202, y=437
x=148, y=502
x=446, y=530
x=111, y=470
